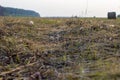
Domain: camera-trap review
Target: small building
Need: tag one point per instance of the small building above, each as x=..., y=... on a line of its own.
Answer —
x=111, y=15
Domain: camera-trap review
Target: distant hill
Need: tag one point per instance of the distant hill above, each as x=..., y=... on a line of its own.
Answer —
x=8, y=11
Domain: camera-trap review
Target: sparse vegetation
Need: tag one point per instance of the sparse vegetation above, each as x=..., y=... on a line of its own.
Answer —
x=59, y=48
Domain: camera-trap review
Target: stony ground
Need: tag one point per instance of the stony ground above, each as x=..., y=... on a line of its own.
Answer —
x=59, y=49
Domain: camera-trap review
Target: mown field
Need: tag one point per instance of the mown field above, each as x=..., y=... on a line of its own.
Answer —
x=59, y=49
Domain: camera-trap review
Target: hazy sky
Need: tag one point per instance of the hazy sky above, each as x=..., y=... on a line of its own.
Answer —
x=97, y=8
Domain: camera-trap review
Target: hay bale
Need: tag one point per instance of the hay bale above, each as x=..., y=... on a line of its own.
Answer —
x=111, y=15
x=1, y=11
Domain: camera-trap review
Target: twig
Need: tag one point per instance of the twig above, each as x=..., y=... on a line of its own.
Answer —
x=17, y=69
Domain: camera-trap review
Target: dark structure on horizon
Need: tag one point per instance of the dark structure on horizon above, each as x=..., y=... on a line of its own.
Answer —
x=8, y=11
x=111, y=15
x=1, y=11
x=118, y=16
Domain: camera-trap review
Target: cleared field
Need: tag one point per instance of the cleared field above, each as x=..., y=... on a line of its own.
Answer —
x=59, y=48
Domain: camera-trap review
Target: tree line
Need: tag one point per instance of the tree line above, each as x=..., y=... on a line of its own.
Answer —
x=8, y=11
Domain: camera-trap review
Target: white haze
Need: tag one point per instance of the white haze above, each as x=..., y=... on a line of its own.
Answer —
x=50, y=8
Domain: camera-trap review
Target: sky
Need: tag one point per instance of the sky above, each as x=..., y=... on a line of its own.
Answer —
x=62, y=8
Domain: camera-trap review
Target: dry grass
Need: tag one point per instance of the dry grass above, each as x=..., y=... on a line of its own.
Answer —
x=74, y=49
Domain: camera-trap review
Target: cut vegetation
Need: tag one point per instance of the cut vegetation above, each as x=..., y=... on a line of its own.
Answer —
x=59, y=49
